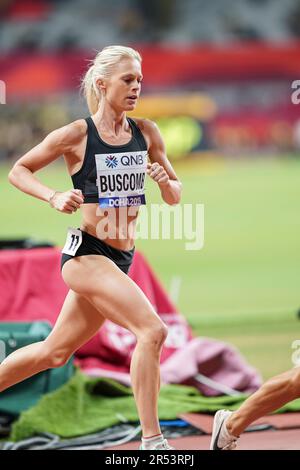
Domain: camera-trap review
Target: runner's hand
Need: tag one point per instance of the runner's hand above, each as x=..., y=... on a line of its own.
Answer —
x=68, y=201
x=157, y=173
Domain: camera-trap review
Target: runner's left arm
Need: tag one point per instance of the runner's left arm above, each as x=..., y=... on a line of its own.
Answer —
x=160, y=168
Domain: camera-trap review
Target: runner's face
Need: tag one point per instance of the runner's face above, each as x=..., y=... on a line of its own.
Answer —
x=124, y=86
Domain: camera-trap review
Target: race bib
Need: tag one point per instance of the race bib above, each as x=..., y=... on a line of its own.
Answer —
x=121, y=178
x=73, y=241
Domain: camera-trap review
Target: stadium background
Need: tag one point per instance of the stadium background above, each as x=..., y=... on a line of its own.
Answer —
x=218, y=81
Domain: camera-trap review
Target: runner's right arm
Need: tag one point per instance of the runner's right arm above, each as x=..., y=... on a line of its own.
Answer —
x=50, y=149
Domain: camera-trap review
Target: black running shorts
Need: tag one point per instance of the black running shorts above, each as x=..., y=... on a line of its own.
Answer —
x=94, y=246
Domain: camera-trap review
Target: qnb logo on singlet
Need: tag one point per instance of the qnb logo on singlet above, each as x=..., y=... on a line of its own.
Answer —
x=111, y=161
x=121, y=178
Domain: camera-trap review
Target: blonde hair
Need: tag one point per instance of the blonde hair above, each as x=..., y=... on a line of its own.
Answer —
x=102, y=67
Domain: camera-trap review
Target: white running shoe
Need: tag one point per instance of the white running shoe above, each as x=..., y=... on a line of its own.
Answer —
x=221, y=439
x=163, y=445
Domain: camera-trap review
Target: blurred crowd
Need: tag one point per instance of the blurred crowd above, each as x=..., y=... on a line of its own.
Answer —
x=252, y=115
x=69, y=24
x=22, y=127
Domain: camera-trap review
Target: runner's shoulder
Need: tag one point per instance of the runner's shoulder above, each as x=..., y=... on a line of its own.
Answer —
x=70, y=134
x=148, y=128
x=145, y=125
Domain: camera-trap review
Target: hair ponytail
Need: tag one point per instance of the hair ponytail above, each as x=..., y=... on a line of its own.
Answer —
x=90, y=91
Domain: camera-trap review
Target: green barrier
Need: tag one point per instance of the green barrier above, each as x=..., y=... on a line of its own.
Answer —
x=182, y=134
x=25, y=394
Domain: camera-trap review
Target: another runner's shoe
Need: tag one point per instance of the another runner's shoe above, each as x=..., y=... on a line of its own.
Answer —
x=221, y=439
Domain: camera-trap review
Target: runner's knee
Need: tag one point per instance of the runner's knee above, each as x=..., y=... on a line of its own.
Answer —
x=53, y=357
x=155, y=335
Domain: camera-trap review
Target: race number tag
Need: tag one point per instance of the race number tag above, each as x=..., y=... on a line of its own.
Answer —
x=73, y=242
x=121, y=178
